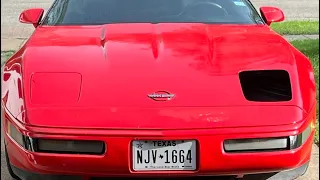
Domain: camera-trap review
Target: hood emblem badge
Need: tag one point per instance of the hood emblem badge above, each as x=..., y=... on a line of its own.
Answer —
x=161, y=96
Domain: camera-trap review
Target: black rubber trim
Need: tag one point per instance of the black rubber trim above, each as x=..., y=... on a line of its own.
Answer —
x=292, y=174
x=25, y=175
x=12, y=174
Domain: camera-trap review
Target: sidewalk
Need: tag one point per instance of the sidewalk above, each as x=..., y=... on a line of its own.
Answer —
x=11, y=44
x=301, y=37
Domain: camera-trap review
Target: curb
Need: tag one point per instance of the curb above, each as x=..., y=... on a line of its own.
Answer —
x=301, y=37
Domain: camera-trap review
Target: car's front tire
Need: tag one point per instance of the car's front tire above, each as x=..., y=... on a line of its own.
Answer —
x=14, y=176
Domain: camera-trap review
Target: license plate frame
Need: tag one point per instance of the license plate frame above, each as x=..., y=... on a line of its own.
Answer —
x=186, y=153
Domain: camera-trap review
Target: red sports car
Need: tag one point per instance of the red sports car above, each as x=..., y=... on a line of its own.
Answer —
x=156, y=88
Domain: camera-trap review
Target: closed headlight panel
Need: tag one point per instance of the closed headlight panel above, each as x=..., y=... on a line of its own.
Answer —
x=55, y=88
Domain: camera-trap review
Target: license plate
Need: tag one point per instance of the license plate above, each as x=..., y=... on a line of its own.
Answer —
x=164, y=155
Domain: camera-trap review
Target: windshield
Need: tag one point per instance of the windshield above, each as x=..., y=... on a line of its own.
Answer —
x=96, y=12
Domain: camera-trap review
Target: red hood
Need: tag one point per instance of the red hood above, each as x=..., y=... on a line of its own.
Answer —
x=118, y=65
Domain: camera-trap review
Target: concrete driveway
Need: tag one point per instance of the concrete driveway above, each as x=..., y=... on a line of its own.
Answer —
x=13, y=34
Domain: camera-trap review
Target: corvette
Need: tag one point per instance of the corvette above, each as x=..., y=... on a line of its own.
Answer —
x=156, y=88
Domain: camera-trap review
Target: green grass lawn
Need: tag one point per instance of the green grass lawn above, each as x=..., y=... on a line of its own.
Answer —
x=310, y=48
x=296, y=27
x=5, y=55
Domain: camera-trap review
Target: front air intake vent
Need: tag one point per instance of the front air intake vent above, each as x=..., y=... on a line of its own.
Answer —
x=266, y=85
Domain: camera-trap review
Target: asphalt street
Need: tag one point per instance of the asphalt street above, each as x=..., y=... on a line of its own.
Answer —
x=14, y=32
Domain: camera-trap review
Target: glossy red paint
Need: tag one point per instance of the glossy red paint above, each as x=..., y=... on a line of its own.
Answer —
x=272, y=14
x=96, y=88
x=31, y=16
x=198, y=63
x=213, y=160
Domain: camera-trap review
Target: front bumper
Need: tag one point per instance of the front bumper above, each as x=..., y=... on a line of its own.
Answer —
x=290, y=174
x=212, y=159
